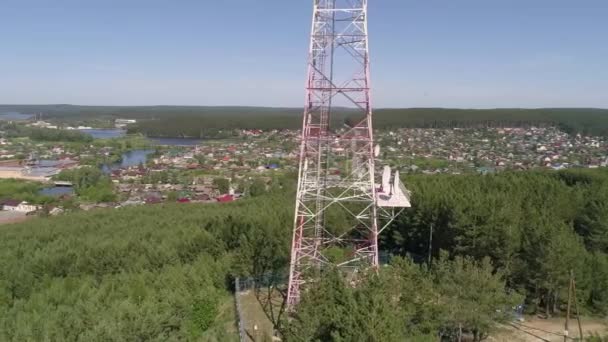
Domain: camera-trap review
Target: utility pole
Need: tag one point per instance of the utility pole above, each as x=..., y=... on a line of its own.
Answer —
x=431, y=244
x=566, y=332
x=578, y=315
x=459, y=332
x=571, y=294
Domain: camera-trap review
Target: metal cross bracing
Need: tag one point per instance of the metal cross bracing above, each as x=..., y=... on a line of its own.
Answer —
x=336, y=212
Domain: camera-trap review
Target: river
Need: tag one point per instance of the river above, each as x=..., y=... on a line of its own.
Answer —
x=117, y=133
x=104, y=133
x=130, y=158
x=56, y=191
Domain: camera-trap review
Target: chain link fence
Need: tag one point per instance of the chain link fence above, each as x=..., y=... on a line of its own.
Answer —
x=239, y=310
x=243, y=286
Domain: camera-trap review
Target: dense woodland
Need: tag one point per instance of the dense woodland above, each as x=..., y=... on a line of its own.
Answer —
x=536, y=226
x=197, y=121
x=497, y=241
x=147, y=273
x=584, y=121
x=406, y=302
x=572, y=120
x=12, y=130
x=165, y=272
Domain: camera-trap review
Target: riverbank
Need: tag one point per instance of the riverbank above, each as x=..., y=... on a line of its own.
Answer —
x=17, y=173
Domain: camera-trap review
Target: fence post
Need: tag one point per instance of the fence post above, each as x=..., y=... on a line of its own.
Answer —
x=239, y=312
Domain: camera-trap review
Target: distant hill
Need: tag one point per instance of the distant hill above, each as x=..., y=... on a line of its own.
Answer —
x=204, y=120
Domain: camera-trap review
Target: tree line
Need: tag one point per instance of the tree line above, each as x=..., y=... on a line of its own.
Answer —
x=13, y=130
x=218, y=122
x=213, y=125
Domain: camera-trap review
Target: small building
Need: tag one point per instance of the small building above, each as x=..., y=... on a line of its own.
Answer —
x=131, y=202
x=225, y=198
x=55, y=211
x=19, y=206
x=153, y=200
x=202, y=197
x=25, y=207
x=10, y=204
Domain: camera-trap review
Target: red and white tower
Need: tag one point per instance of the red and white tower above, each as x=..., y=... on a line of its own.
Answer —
x=338, y=201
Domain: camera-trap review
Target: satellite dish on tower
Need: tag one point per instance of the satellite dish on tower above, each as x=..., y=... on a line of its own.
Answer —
x=377, y=151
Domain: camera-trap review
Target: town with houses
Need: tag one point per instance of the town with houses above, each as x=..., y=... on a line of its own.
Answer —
x=488, y=150
x=139, y=171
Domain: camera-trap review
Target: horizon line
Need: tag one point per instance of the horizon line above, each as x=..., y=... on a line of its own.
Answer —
x=300, y=108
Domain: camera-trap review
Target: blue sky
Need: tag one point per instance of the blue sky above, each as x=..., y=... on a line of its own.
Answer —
x=425, y=53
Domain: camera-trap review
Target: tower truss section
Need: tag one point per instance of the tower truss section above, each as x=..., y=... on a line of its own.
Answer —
x=338, y=202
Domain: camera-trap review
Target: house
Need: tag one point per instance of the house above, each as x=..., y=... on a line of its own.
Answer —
x=153, y=200
x=202, y=197
x=55, y=211
x=202, y=189
x=20, y=206
x=130, y=202
x=25, y=207
x=10, y=204
x=124, y=187
x=225, y=198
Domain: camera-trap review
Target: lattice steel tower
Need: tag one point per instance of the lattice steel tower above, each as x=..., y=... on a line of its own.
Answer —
x=338, y=202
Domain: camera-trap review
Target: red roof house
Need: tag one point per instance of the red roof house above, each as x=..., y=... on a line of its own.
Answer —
x=225, y=198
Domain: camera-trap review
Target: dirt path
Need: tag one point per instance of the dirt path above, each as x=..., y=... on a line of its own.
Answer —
x=7, y=217
x=547, y=330
x=255, y=317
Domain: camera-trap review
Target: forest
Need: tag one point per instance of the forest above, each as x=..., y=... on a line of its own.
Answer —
x=587, y=121
x=12, y=130
x=146, y=273
x=535, y=226
x=218, y=122
x=166, y=272
x=584, y=121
